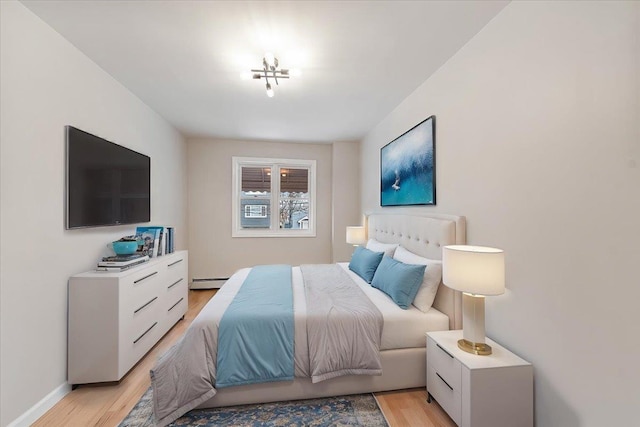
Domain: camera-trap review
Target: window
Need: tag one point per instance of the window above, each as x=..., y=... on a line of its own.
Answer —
x=273, y=197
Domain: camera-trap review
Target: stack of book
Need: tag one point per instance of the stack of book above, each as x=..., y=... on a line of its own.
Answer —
x=121, y=262
x=169, y=241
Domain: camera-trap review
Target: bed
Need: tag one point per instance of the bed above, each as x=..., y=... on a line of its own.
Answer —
x=402, y=347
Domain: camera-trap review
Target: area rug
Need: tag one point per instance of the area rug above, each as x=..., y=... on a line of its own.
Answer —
x=355, y=410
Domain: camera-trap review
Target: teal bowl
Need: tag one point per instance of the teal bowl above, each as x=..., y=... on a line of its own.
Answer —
x=125, y=248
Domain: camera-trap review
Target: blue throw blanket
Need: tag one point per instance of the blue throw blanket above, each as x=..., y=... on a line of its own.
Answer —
x=255, y=339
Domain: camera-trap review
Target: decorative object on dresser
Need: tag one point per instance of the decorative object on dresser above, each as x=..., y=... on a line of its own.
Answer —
x=408, y=167
x=356, y=235
x=491, y=391
x=125, y=246
x=476, y=271
x=116, y=317
x=150, y=238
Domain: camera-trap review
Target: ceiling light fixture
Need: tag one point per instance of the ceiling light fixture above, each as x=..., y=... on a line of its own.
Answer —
x=270, y=70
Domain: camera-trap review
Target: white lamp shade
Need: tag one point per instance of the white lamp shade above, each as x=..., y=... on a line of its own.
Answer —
x=356, y=235
x=476, y=270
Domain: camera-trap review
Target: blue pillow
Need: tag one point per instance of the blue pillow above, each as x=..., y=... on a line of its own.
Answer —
x=399, y=280
x=365, y=262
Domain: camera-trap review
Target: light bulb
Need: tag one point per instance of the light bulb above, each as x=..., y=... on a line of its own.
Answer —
x=269, y=58
x=295, y=72
x=269, y=90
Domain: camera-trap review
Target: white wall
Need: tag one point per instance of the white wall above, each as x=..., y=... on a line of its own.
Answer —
x=46, y=83
x=214, y=253
x=345, y=193
x=538, y=144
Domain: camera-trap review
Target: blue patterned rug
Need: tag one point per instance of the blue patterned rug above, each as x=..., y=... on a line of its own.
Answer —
x=355, y=410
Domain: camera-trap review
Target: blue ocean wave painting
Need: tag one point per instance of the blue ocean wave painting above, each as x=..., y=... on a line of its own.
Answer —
x=407, y=172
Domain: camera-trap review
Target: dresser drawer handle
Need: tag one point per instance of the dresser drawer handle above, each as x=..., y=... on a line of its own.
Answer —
x=448, y=354
x=172, y=285
x=179, y=301
x=145, y=333
x=140, y=308
x=145, y=277
x=447, y=384
x=175, y=262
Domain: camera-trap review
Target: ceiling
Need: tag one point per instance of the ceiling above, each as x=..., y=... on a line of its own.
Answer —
x=359, y=59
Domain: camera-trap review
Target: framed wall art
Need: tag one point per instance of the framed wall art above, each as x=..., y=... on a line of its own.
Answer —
x=408, y=167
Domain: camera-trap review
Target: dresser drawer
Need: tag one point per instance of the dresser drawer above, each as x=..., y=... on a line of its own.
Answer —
x=176, y=308
x=137, y=321
x=446, y=396
x=177, y=286
x=443, y=362
x=136, y=289
x=139, y=331
x=176, y=268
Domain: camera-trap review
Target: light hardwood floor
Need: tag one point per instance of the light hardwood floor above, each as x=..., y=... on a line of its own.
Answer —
x=108, y=405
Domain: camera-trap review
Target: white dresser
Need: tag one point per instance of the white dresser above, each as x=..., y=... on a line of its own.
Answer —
x=115, y=318
x=479, y=391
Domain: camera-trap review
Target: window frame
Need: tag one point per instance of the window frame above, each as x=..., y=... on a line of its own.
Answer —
x=274, y=229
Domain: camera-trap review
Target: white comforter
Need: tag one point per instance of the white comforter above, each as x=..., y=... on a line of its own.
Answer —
x=402, y=328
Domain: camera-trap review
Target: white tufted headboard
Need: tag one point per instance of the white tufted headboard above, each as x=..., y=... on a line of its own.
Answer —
x=424, y=235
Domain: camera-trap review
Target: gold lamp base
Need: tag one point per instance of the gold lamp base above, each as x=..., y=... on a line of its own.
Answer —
x=481, y=349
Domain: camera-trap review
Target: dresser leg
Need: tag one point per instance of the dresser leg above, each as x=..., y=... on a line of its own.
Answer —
x=428, y=397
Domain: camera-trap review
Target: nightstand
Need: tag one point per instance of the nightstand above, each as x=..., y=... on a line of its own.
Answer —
x=479, y=391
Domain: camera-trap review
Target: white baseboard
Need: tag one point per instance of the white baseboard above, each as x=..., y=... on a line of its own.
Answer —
x=40, y=408
x=215, y=283
x=206, y=285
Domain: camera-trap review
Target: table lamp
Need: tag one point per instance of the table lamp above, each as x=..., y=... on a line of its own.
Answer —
x=356, y=235
x=475, y=271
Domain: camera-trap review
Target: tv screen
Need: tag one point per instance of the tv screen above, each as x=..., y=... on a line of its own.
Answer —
x=107, y=184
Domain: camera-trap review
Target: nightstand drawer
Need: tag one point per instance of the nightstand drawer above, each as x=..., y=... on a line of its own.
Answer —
x=447, y=366
x=444, y=394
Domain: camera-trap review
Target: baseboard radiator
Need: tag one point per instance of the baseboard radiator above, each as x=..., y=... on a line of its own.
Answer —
x=208, y=283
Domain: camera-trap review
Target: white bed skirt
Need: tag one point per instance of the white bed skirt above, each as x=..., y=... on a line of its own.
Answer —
x=402, y=368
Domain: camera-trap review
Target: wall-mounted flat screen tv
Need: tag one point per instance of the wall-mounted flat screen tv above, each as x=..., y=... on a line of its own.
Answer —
x=107, y=184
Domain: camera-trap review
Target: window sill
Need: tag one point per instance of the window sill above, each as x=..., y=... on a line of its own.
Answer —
x=277, y=234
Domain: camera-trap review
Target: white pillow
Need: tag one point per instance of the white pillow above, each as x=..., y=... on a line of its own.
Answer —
x=388, y=248
x=432, y=277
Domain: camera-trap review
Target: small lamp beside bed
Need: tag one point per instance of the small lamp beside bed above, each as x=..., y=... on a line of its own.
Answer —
x=475, y=271
x=356, y=235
